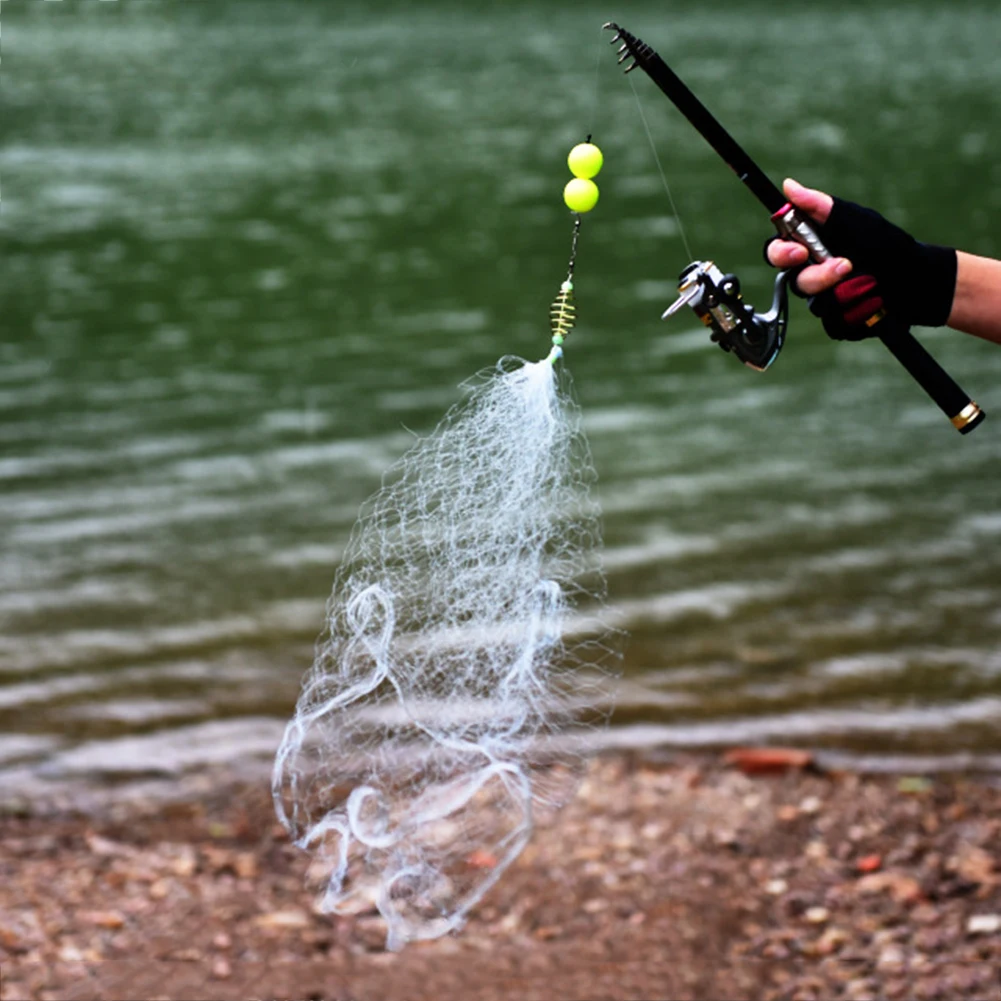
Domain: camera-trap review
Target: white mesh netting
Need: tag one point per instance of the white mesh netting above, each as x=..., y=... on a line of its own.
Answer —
x=463, y=656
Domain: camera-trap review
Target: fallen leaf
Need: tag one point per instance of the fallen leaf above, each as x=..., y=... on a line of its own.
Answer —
x=546, y=932
x=913, y=784
x=481, y=860
x=767, y=760
x=903, y=889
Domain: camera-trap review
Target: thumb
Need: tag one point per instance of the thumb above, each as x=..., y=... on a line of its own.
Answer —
x=815, y=204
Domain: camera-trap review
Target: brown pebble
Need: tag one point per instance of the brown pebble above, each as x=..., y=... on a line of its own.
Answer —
x=816, y=850
x=725, y=838
x=546, y=932
x=893, y=990
x=185, y=863
x=860, y=989
x=973, y=864
x=776, y=950
x=831, y=941
x=929, y=939
x=983, y=924
x=903, y=889
x=106, y=848
x=20, y=931
x=282, y=919
x=103, y=919
x=245, y=865
x=159, y=889
x=221, y=970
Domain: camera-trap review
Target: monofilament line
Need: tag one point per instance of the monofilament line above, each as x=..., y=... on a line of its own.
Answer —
x=663, y=176
x=597, y=80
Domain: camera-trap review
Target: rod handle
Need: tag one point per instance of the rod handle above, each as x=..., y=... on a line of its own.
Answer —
x=962, y=411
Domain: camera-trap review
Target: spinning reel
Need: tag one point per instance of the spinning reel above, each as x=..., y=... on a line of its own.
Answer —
x=755, y=338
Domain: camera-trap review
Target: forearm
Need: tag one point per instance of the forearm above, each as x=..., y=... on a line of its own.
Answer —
x=976, y=306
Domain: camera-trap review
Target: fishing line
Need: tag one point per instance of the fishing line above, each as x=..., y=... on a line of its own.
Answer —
x=663, y=176
x=597, y=81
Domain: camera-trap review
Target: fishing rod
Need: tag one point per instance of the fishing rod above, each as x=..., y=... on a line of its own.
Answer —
x=757, y=338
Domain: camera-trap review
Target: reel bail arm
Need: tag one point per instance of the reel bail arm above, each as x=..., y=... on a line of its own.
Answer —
x=755, y=338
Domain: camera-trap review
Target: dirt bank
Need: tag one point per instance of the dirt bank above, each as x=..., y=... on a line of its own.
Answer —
x=680, y=878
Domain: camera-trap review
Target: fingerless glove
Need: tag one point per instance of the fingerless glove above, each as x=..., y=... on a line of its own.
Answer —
x=915, y=282
x=848, y=310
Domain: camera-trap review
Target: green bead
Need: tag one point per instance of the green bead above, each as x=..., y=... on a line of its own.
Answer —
x=585, y=160
x=580, y=194
x=557, y=339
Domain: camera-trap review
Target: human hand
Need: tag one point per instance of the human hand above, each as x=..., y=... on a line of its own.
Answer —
x=845, y=305
x=889, y=270
x=785, y=254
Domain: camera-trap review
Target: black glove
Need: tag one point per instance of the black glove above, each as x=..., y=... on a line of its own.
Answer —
x=853, y=310
x=914, y=282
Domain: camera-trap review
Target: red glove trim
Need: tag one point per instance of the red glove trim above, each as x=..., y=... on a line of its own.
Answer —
x=859, y=299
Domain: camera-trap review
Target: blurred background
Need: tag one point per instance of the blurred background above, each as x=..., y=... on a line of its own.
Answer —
x=251, y=247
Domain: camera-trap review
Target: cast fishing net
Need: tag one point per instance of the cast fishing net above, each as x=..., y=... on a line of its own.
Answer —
x=464, y=657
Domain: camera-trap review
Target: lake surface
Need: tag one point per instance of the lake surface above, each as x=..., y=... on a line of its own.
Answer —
x=250, y=249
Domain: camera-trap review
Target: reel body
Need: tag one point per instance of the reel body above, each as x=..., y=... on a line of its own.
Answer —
x=755, y=338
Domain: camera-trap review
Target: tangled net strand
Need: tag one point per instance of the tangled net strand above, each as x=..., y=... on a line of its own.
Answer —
x=450, y=684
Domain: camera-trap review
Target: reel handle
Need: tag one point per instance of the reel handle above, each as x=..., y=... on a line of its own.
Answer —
x=956, y=404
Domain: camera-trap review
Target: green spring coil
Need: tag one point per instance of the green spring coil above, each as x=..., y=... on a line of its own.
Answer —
x=562, y=313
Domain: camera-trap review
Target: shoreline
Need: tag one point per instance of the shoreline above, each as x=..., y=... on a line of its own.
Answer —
x=667, y=876
x=29, y=790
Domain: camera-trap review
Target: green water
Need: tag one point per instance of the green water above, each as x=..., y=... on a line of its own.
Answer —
x=250, y=247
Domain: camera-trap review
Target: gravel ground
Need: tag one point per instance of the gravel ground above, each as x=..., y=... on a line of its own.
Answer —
x=702, y=878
